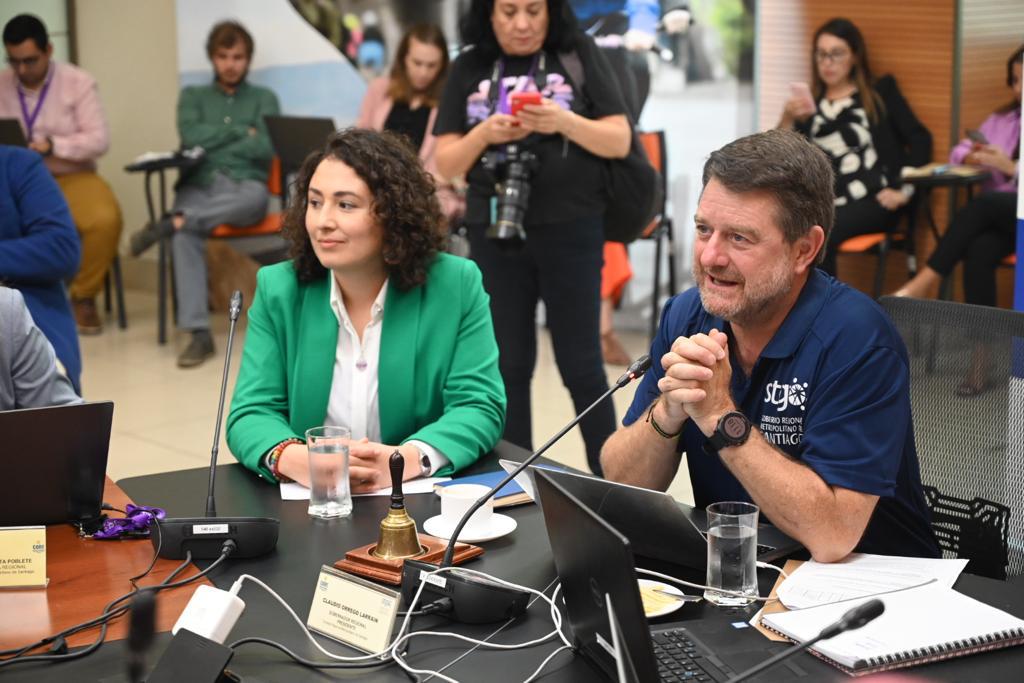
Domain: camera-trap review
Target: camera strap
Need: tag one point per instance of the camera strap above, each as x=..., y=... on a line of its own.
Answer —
x=497, y=92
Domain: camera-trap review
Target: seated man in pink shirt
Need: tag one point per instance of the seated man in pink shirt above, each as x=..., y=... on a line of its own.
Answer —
x=59, y=109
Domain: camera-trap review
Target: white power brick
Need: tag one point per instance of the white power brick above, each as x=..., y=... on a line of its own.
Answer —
x=211, y=613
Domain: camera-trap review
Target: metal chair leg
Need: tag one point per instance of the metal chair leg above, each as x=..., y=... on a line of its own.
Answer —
x=656, y=285
x=122, y=315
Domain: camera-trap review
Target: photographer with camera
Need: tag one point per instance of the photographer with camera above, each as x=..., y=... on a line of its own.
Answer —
x=536, y=190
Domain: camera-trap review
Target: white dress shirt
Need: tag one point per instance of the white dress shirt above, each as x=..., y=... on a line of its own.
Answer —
x=353, y=401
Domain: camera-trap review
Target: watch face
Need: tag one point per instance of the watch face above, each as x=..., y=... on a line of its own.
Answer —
x=734, y=426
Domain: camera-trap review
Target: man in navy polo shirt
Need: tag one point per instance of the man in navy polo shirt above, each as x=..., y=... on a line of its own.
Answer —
x=783, y=386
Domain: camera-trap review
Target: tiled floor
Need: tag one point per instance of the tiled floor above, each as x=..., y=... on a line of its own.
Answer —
x=164, y=416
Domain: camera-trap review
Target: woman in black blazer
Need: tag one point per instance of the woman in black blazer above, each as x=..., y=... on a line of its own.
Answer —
x=867, y=129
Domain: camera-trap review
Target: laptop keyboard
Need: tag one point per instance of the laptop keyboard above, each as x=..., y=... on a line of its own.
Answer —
x=681, y=659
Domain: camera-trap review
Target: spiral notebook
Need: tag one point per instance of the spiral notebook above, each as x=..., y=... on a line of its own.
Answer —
x=919, y=625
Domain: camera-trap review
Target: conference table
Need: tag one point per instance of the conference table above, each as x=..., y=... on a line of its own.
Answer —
x=523, y=557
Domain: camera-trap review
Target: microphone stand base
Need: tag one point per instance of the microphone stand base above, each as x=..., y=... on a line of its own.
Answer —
x=474, y=600
x=205, y=536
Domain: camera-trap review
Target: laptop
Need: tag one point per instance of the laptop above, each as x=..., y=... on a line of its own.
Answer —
x=595, y=566
x=12, y=134
x=55, y=463
x=648, y=517
x=294, y=137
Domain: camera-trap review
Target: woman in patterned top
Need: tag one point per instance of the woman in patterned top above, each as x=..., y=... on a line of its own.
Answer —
x=867, y=129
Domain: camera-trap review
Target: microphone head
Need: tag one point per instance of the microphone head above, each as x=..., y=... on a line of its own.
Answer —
x=862, y=614
x=235, y=307
x=142, y=626
x=640, y=365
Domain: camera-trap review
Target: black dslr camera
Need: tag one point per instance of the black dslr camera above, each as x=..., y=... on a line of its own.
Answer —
x=513, y=196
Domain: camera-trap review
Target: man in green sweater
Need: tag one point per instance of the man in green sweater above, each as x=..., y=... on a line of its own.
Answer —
x=225, y=118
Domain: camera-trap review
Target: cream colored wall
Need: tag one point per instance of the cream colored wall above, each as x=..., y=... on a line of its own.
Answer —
x=130, y=48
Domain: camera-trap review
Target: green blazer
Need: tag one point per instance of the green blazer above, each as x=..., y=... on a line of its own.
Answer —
x=438, y=375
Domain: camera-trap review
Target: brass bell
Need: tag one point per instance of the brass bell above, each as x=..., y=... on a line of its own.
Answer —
x=398, y=539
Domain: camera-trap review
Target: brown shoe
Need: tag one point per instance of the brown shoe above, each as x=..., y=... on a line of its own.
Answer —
x=86, y=316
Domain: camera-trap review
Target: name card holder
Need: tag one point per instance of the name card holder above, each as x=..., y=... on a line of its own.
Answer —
x=353, y=611
x=23, y=557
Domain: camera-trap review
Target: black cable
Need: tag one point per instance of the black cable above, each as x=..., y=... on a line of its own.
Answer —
x=16, y=652
x=109, y=614
x=309, y=662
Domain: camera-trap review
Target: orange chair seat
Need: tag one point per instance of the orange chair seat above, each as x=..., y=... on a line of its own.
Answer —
x=862, y=242
x=268, y=226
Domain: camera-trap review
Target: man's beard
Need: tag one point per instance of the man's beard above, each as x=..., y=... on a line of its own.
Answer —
x=755, y=303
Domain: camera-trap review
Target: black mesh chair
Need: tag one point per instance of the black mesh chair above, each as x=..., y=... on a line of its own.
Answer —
x=971, y=447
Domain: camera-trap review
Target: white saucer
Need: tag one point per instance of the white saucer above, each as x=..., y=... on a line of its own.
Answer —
x=499, y=526
x=669, y=604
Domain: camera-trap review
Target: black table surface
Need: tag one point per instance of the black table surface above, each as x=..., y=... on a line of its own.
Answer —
x=524, y=557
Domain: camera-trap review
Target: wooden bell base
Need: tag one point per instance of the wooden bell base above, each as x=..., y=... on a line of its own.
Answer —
x=360, y=560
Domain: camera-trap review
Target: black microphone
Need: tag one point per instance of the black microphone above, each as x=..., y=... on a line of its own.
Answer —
x=852, y=620
x=141, y=630
x=206, y=536
x=475, y=600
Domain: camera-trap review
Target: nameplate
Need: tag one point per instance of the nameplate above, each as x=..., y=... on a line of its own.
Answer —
x=23, y=557
x=353, y=611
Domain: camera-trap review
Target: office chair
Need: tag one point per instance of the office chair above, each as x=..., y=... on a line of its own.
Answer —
x=970, y=444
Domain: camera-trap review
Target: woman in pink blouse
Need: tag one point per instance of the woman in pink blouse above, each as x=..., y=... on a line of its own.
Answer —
x=405, y=102
x=983, y=233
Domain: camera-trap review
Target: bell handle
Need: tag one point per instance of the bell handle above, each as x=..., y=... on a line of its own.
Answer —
x=397, y=465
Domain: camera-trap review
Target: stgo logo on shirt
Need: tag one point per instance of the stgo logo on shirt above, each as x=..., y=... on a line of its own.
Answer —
x=784, y=426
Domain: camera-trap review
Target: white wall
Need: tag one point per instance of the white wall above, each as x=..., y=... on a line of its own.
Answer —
x=130, y=48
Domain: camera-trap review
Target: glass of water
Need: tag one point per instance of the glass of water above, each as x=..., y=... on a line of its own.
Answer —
x=732, y=553
x=329, y=493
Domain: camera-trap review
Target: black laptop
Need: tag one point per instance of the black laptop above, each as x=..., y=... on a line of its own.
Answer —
x=12, y=134
x=595, y=566
x=55, y=463
x=294, y=137
x=648, y=517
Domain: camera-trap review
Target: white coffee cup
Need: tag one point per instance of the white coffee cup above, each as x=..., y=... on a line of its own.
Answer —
x=457, y=499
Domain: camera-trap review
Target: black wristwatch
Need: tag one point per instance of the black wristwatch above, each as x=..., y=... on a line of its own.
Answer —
x=732, y=429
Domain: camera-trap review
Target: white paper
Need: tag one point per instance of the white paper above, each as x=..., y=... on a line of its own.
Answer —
x=294, y=491
x=860, y=574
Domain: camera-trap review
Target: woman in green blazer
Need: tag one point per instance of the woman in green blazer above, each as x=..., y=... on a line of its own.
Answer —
x=369, y=326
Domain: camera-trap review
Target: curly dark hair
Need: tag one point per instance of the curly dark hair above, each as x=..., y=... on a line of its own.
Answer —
x=403, y=201
x=476, y=30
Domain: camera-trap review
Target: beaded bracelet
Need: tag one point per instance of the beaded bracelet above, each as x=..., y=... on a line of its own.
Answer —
x=274, y=457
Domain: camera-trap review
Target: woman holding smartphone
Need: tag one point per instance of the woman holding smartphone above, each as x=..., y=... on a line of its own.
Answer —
x=553, y=151
x=867, y=129
x=983, y=233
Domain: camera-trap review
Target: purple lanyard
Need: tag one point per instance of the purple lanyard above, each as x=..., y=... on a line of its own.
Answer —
x=502, y=105
x=30, y=120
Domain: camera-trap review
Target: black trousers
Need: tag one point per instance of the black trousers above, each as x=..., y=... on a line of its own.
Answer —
x=982, y=234
x=856, y=218
x=561, y=264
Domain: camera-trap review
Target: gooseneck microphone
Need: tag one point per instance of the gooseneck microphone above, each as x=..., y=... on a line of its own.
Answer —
x=141, y=630
x=852, y=620
x=475, y=600
x=205, y=536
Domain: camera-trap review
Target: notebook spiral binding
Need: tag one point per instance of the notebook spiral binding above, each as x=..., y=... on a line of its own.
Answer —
x=990, y=641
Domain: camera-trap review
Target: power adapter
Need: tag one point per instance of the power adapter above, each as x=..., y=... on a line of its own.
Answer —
x=211, y=613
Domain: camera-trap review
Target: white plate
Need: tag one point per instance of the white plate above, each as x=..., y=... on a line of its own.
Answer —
x=666, y=604
x=501, y=525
